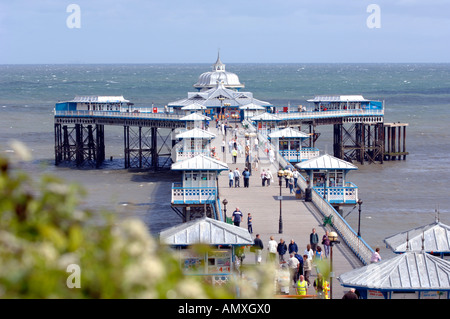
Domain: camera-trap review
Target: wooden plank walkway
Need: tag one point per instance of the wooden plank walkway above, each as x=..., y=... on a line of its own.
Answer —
x=298, y=217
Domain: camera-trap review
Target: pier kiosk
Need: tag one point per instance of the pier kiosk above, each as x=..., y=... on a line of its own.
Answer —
x=289, y=142
x=198, y=193
x=192, y=143
x=194, y=120
x=327, y=176
x=265, y=122
x=433, y=238
x=217, y=264
x=411, y=275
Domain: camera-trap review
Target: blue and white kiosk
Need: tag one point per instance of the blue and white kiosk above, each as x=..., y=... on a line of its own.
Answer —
x=289, y=143
x=327, y=176
x=217, y=264
x=198, y=193
x=192, y=143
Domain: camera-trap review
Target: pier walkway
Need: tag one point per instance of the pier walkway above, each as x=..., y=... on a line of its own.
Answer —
x=298, y=217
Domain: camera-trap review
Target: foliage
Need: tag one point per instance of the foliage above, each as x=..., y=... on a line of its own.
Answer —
x=43, y=232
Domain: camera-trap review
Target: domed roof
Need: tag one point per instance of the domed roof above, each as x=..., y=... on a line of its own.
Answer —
x=218, y=74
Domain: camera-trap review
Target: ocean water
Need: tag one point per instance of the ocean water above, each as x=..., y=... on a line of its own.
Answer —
x=397, y=195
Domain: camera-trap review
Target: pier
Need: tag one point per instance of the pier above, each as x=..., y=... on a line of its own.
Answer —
x=297, y=217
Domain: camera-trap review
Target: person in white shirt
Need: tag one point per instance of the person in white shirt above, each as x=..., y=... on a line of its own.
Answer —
x=375, y=256
x=230, y=178
x=272, y=247
x=293, y=263
x=309, y=252
x=269, y=176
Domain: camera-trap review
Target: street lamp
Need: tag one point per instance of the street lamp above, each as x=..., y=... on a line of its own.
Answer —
x=225, y=202
x=280, y=223
x=333, y=237
x=359, y=218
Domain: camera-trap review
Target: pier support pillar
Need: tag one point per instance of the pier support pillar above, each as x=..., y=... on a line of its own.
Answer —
x=361, y=142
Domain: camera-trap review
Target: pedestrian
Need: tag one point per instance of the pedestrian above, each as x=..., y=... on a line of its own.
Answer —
x=291, y=185
x=307, y=267
x=281, y=249
x=319, y=285
x=309, y=252
x=300, y=264
x=272, y=248
x=246, y=176
x=256, y=141
x=293, y=248
x=302, y=286
x=223, y=146
x=234, y=154
x=375, y=256
x=293, y=267
x=287, y=176
x=230, y=146
x=313, y=239
x=271, y=156
x=263, y=177
x=296, y=175
x=269, y=177
x=350, y=294
x=230, y=178
x=326, y=244
x=259, y=246
x=237, y=175
x=318, y=258
x=250, y=223
x=236, y=217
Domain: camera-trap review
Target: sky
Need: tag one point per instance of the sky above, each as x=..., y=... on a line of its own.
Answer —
x=245, y=31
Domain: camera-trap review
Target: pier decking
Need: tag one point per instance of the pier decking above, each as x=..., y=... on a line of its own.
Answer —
x=298, y=217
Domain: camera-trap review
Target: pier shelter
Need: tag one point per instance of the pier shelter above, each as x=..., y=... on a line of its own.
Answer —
x=192, y=143
x=327, y=175
x=198, y=193
x=195, y=120
x=217, y=264
x=411, y=275
x=266, y=122
x=289, y=142
x=433, y=238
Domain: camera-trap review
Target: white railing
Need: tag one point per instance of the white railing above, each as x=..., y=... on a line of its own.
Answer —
x=329, y=114
x=112, y=114
x=190, y=195
x=359, y=247
x=298, y=156
x=346, y=194
x=183, y=155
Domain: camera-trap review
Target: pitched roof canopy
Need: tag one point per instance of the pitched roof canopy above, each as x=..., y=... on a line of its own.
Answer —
x=265, y=117
x=408, y=271
x=195, y=117
x=326, y=162
x=434, y=238
x=288, y=132
x=206, y=231
x=196, y=133
x=200, y=163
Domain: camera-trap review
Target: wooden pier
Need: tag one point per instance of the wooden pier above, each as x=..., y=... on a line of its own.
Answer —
x=395, y=143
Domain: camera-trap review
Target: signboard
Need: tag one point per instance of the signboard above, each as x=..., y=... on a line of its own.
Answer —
x=374, y=294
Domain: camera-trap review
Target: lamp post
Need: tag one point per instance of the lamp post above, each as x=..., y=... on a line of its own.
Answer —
x=280, y=222
x=359, y=217
x=225, y=202
x=332, y=236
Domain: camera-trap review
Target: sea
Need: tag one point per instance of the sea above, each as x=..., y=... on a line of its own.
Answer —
x=397, y=195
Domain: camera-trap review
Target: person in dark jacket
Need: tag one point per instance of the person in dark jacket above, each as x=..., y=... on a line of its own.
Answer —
x=293, y=248
x=259, y=246
x=281, y=249
x=313, y=239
